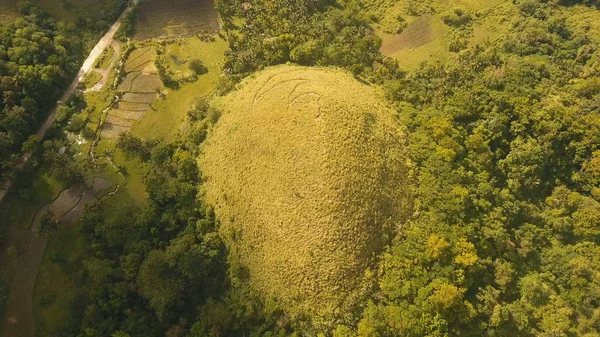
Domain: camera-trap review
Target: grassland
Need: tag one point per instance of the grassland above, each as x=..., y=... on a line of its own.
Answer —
x=307, y=172
x=175, y=18
x=105, y=59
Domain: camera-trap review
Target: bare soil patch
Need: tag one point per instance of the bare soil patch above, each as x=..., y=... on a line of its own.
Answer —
x=146, y=83
x=416, y=34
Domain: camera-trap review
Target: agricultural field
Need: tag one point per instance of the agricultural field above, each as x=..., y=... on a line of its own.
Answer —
x=176, y=18
x=141, y=86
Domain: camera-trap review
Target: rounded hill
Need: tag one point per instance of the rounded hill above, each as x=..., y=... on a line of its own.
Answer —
x=307, y=172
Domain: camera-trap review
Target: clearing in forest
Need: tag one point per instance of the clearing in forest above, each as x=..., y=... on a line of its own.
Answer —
x=416, y=34
x=175, y=18
x=307, y=172
x=141, y=86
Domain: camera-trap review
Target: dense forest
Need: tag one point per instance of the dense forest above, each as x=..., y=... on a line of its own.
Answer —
x=504, y=237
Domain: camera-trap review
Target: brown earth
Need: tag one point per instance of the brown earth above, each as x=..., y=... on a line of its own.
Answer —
x=416, y=34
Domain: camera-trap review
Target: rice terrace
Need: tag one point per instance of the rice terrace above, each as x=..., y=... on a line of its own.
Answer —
x=140, y=86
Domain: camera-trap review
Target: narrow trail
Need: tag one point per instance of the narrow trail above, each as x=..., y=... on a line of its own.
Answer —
x=17, y=320
x=87, y=66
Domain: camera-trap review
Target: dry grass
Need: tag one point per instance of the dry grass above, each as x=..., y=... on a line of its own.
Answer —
x=175, y=18
x=307, y=171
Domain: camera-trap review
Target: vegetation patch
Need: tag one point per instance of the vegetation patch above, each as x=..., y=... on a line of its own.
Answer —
x=176, y=18
x=169, y=113
x=105, y=60
x=307, y=173
x=92, y=78
x=147, y=98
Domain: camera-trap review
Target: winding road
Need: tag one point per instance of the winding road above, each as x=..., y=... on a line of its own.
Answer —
x=17, y=319
x=87, y=66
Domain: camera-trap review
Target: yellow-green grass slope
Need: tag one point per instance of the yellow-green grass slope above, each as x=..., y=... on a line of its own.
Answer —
x=307, y=172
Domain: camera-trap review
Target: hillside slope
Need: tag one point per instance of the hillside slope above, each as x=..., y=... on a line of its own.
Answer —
x=307, y=171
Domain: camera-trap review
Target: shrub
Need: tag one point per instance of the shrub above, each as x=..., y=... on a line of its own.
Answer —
x=198, y=67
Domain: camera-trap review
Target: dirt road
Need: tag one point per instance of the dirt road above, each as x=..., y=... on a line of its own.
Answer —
x=17, y=319
x=87, y=66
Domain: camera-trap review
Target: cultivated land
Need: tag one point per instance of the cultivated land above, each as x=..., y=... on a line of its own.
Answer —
x=307, y=172
x=176, y=18
x=141, y=85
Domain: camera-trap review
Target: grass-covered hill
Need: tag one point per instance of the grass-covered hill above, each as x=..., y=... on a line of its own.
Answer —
x=307, y=170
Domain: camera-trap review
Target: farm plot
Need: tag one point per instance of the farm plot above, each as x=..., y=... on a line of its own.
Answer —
x=175, y=18
x=140, y=87
x=416, y=34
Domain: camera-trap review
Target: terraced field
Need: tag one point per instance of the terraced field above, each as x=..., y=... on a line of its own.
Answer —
x=141, y=84
x=175, y=18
